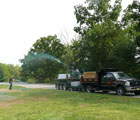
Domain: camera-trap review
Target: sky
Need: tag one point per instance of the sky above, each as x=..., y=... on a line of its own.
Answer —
x=22, y=22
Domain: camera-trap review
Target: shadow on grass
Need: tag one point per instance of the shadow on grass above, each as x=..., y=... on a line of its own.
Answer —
x=114, y=94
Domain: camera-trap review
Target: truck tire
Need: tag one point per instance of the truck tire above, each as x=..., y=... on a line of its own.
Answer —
x=137, y=92
x=120, y=91
x=89, y=89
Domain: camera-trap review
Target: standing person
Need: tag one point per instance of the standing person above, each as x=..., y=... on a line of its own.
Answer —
x=11, y=83
x=73, y=66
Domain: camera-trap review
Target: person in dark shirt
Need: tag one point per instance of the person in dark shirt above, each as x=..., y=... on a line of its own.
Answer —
x=73, y=66
x=11, y=83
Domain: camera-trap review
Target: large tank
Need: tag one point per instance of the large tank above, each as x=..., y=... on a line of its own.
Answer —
x=75, y=74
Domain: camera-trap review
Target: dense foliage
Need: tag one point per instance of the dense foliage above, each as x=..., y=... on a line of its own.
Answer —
x=42, y=62
x=9, y=70
x=106, y=39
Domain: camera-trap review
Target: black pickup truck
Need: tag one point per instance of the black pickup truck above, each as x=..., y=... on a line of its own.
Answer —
x=120, y=82
x=110, y=80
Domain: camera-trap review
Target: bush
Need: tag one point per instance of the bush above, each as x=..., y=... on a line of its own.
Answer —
x=31, y=80
x=48, y=81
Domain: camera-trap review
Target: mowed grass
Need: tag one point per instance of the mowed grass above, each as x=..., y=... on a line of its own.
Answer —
x=39, y=104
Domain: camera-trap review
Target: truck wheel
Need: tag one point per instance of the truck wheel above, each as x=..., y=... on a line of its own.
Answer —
x=120, y=91
x=137, y=92
x=89, y=89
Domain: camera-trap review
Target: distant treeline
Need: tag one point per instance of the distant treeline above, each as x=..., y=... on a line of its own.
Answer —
x=107, y=39
x=9, y=70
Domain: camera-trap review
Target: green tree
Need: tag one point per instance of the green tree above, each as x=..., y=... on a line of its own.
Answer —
x=131, y=24
x=14, y=71
x=100, y=31
x=2, y=77
x=96, y=12
x=131, y=21
x=43, y=60
x=123, y=54
x=8, y=70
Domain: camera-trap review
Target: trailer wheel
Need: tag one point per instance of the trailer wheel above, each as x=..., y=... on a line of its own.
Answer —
x=64, y=87
x=56, y=86
x=120, y=91
x=61, y=87
x=89, y=89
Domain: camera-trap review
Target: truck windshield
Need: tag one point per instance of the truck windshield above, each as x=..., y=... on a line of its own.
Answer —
x=121, y=75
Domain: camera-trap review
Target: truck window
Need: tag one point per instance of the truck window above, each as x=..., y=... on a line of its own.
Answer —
x=109, y=75
x=121, y=75
x=104, y=78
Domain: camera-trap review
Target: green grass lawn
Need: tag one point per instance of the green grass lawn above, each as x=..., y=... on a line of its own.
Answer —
x=7, y=87
x=39, y=104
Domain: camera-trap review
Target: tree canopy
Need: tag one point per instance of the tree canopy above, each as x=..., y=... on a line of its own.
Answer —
x=8, y=70
x=106, y=39
x=43, y=60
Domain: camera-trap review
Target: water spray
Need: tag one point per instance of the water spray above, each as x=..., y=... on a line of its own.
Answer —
x=46, y=56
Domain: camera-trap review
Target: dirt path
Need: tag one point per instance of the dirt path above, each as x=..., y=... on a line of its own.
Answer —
x=36, y=85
